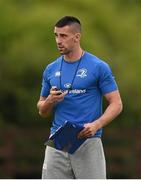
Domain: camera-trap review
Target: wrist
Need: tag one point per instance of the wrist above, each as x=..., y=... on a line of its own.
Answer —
x=97, y=124
x=49, y=100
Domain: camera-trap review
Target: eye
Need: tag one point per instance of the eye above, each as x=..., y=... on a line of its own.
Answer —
x=63, y=35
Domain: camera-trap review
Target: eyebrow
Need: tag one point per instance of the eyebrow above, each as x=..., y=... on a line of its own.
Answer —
x=60, y=33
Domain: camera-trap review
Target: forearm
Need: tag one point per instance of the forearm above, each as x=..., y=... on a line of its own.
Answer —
x=45, y=106
x=111, y=112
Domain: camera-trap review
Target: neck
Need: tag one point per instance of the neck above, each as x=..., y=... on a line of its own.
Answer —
x=74, y=55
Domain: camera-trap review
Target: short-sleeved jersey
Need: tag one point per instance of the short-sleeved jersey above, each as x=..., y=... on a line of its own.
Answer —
x=89, y=78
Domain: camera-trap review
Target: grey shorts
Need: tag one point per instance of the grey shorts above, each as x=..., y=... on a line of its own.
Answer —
x=88, y=162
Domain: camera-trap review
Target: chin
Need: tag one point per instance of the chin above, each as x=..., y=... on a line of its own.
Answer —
x=62, y=53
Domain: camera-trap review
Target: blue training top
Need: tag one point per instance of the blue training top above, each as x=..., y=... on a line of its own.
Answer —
x=89, y=78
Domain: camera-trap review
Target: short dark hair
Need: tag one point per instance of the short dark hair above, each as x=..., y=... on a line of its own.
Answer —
x=68, y=20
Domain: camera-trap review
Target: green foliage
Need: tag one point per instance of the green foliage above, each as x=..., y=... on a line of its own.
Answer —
x=111, y=30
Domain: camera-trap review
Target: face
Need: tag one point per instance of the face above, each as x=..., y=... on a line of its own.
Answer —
x=66, y=39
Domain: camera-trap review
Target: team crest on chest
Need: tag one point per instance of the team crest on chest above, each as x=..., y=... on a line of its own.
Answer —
x=82, y=73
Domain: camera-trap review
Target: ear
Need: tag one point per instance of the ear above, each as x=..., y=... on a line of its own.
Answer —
x=77, y=37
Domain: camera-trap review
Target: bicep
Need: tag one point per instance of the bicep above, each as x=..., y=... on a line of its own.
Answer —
x=113, y=96
x=45, y=85
x=106, y=80
x=114, y=101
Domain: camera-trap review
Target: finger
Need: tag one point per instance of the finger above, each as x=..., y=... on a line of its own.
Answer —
x=52, y=92
x=87, y=125
x=58, y=98
x=61, y=95
x=83, y=133
x=84, y=136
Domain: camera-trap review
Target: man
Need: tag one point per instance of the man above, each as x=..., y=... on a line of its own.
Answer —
x=80, y=80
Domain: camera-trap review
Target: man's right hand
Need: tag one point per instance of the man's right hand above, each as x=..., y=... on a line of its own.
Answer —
x=56, y=95
x=45, y=104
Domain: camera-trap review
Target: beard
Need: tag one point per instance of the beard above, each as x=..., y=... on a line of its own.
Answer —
x=63, y=50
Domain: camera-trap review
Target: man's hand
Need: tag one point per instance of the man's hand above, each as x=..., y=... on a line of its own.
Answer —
x=56, y=95
x=45, y=105
x=89, y=130
x=111, y=112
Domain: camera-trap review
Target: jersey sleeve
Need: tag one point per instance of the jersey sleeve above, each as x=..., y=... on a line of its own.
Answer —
x=106, y=81
x=45, y=90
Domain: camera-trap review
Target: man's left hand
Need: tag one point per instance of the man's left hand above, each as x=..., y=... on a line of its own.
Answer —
x=88, y=131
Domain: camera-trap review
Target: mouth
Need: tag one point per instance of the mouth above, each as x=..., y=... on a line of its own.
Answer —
x=60, y=48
